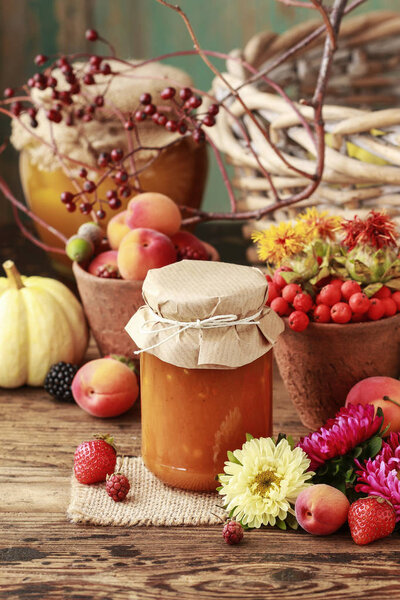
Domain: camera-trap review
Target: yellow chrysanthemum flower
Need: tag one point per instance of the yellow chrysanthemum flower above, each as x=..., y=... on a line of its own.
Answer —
x=319, y=224
x=265, y=482
x=279, y=242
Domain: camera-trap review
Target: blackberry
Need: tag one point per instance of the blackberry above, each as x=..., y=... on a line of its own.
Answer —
x=58, y=381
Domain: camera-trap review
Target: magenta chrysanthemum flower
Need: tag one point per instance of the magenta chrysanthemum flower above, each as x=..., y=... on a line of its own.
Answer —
x=352, y=425
x=379, y=476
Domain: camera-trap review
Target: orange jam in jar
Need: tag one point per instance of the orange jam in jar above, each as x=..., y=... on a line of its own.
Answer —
x=206, y=340
x=192, y=417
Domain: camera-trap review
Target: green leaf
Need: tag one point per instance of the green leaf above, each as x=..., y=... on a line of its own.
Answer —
x=232, y=458
x=281, y=524
x=249, y=437
x=374, y=446
x=291, y=521
x=357, y=451
x=281, y=436
x=232, y=511
x=219, y=488
x=291, y=443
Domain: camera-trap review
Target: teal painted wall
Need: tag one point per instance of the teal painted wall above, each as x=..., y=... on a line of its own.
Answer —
x=138, y=28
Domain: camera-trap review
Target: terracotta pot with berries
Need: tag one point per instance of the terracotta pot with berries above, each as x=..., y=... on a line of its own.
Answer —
x=337, y=288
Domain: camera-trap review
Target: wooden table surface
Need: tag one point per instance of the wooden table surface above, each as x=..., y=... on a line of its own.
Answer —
x=44, y=557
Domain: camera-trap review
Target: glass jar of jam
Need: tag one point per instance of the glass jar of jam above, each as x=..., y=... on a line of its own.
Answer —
x=205, y=381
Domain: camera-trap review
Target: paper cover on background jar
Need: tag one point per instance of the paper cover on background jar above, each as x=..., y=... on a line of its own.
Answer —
x=189, y=292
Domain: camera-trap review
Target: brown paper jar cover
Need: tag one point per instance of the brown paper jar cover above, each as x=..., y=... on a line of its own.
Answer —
x=188, y=291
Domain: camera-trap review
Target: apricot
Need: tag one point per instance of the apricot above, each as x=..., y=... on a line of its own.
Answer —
x=321, y=509
x=143, y=249
x=108, y=258
x=383, y=392
x=117, y=229
x=105, y=387
x=154, y=211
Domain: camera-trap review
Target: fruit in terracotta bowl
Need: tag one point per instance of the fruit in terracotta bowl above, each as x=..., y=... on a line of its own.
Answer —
x=144, y=249
x=381, y=392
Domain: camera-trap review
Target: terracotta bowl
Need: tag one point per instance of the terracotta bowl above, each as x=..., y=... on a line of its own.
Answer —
x=109, y=304
x=320, y=365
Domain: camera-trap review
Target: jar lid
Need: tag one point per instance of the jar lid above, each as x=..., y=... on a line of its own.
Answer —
x=201, y=314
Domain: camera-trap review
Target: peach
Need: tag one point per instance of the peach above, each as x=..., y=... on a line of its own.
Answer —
x=105, y=387
x=383, y=392
x=154, y=211
x=108, y=259
x=143, y=249
x=321, y=509
x=117, y=229
x=188, y=246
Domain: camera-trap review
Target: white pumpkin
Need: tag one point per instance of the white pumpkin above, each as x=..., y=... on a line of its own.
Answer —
x=41, y=323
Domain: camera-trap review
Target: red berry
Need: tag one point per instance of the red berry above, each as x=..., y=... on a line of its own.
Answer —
x=89, y=186
x=88, y=79
x=66, y=197
x=16, y=108
x=213, y=109
x=121, y=176
x=359, y=318
x=114, y=203
x=8, y=93
x=145, y=98
x=71, y=207
x=150, y=109
x=349, y=288
x=278, y=280
x=209, y=121
x=359, y=303
x=182, y=128
x=198, y=136
x=390, y=307
x=341, y=312
x=232, y=532
x=54, y=115
x=101, y=214
x=162, y=119
x=371, y=519
x=85, y=208
x=298, y=320
x=105, y=69
x=124, y=191
x=83, y=173
x=94, y=460
x=384, y=292
x=140, y=115
x=280, y=306
x=322, y=313
x=185, y=93
x=318, y=299
x=129, y=125
x=104, y=159
x=302, y=302
x=40, y=59
x=99, y=101
x=95, y=61
x=273, y=293
x=396, y=298
x=117, y=487
x=116, y=154
x=195, y=102
x=52, y=82
x=330, y=294
x=171, y=126
x=168, y=93
x=91, y=35
x=376, y=309
x=290, y=291
x=338, y=282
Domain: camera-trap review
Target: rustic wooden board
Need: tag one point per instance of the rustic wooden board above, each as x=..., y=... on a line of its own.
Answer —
x=44, y=557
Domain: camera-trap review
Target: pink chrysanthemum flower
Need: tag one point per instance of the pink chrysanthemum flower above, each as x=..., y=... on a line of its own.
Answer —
x=351, y=426
x=379, y=476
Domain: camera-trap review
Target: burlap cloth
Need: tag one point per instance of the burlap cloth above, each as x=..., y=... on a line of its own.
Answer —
x=149, y=502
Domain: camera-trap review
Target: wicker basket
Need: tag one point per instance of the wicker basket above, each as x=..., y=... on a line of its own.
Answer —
x=362, y=158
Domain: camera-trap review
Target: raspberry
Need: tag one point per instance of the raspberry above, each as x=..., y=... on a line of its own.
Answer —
x=330, y=294
x=390, y=307
x=117, y=487
x=280, y=306
x=302, y=302
x=298, y=320
x=349, y=288
x=290, y=291
x=359, y=303
x=341, y=312
x=322, y=313
x=376, y=309
x=232, y=532
x=383, y=293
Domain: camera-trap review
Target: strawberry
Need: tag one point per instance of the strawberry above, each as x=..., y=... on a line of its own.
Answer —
x=95, y=459
x=117, y=486
x=371, y=519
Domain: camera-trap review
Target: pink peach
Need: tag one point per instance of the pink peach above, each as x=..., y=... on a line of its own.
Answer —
x=105, y=388
x=143, y=249
x=108, y=258
x=383, y=392
x=117, y=229
x=321, y=509
x=154, y=211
